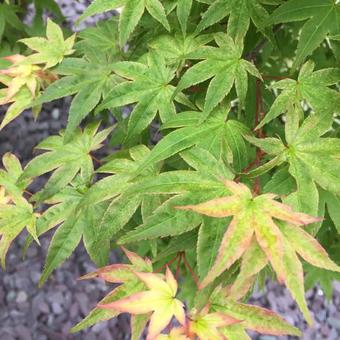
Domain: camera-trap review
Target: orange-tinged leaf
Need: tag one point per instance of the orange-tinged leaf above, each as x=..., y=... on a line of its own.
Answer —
x=140, y=264
x=120, y=273
x=253, y=261
x=285, y=213
x=308, y=247
x=238, y=189
x=294, y=279
x=219, y=207
x=139, y=303
x=261, y=215
x=159, y=299
x=156, y=282
x=235, y=241
x=115, y=273
x=100, y=314
x=271, y=240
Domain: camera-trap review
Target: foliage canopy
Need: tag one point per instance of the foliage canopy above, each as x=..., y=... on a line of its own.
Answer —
x=243, y=186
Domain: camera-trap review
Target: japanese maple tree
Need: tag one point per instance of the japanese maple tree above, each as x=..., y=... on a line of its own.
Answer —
x=243, y=186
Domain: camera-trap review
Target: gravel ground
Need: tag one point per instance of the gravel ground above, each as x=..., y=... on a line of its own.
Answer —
x=27, y=312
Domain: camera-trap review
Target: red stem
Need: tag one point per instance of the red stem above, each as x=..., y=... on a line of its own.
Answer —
x=96, y=159
x=167, y=264
x=259, y=115
x=274, y=77
x=178, y=268
x=193, y=275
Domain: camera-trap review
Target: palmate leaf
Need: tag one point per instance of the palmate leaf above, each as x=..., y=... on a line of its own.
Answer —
x=177, y=48
x=24, y=81
x=89, y=81
x=160, y=299
x=131, y=14
x=222, y=64
x=240, y=13
x=254, y=216
x=153, y=296
x=66, y=160
x=75, y=222
x=312, y=160
x=100, y=44
x=111, y=203
x=223, y=139
x=323, y=21
x=52, y=50
x=20, y=74
x=311, y=86
x=149, y=87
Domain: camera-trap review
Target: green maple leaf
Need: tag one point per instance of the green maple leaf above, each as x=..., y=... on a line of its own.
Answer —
x=224, y=66
x=88, y=80
x=312, y=87
x=253, y=217
x=323, y=21
x=240, y=13
x=149, y=87
x=131, y=14
x=66, y=160
x=114, y=191
x=254, y=318
x=177, y=48
x=15, y=212
x=100, y=44
x=312, y=160
x=64, y=214
x=221, y=137
x=51, y=50
x=75, y=221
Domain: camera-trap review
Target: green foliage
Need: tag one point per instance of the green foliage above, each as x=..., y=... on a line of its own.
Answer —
x=226, y=120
